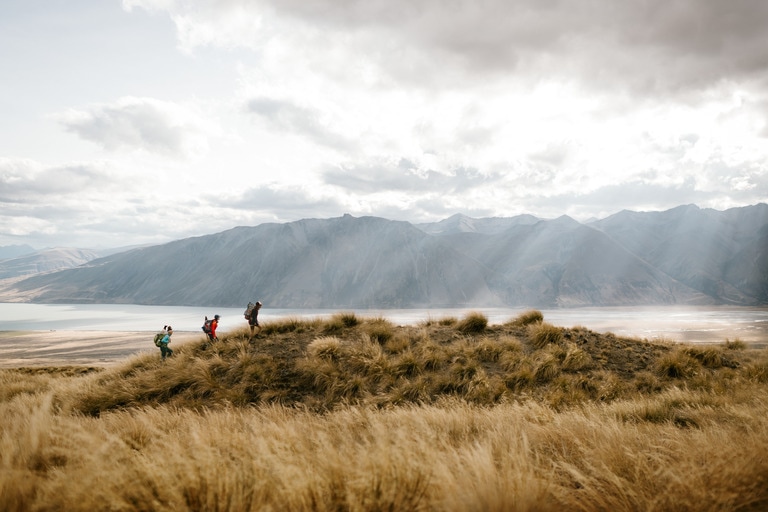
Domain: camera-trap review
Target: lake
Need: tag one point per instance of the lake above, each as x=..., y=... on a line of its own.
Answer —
x=679, y=323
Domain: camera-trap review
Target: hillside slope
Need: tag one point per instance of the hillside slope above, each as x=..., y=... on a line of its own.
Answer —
x=320, y=365
x=45, y=261
x=682, y=256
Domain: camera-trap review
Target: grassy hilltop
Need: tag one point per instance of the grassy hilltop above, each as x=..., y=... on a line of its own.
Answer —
x=355, y=413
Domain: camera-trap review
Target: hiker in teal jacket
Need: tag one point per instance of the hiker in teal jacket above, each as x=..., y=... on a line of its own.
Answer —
x=164, y=350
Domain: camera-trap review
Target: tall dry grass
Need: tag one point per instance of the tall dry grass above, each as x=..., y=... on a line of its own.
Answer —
x=383, y=419
x=681, y=450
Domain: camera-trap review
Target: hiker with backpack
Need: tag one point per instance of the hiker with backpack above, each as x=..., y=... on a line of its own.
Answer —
x=252, y=315
x=162, y=339
x=209, y=327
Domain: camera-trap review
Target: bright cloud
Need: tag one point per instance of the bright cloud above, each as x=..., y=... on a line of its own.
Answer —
x=141, y=124
x=247, y=111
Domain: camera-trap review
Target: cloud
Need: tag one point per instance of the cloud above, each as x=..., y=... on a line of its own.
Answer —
x=405, y=176
x=289, y=203
x=655, y=46
x=145, y=124
x=302, y=121
x=408, y=110
x=25, y=181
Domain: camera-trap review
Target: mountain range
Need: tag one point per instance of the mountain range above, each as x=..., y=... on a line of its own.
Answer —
x=686, y=255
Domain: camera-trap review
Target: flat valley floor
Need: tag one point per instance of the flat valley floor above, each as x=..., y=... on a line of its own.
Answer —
x=78, y=348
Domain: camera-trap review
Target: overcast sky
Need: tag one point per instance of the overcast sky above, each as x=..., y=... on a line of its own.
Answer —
x=145, y=121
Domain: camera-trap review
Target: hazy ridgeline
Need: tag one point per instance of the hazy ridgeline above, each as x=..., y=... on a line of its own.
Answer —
x=358, y=414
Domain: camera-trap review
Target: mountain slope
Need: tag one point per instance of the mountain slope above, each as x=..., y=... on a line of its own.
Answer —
x=343, y=262
x=682, y=256
x=45, y=261
x=14, y=251
x=721, y=254
x=564, y=263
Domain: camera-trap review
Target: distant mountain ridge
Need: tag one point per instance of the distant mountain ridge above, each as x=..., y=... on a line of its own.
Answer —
x=44, y=261
x=14, y=251
x=685, y=255
x=28, y=261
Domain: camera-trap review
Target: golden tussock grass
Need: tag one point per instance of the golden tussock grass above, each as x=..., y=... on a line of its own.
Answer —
x=359, y=414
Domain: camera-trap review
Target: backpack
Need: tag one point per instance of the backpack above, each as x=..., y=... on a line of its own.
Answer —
x=207, y=326
x=158, y=338
x=248, y=310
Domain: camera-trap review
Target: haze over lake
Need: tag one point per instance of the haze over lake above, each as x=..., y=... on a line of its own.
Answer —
x=679, y=323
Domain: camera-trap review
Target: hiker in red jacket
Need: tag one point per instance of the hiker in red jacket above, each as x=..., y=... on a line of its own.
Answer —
x=214, y=324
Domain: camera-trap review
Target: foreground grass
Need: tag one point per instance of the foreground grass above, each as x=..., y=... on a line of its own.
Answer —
x=357, y=414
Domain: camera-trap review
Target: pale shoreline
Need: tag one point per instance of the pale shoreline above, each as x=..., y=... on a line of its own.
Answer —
x=79, y=348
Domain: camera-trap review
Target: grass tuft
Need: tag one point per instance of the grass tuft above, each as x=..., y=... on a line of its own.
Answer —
x=526, y=318
x=380, y=330
x=473, y=323
x=542, y=334
x=326, y=347
x=736, y=344
x=677, y=365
